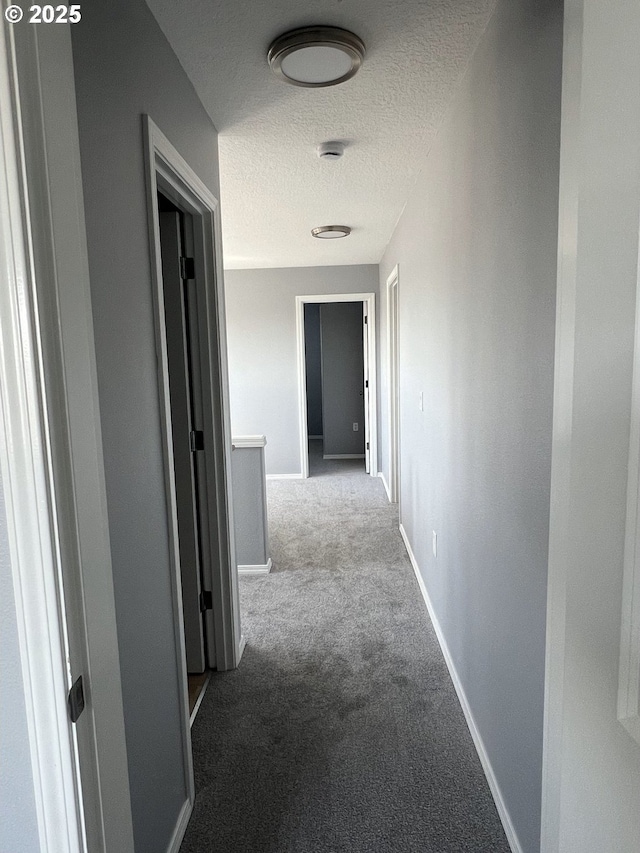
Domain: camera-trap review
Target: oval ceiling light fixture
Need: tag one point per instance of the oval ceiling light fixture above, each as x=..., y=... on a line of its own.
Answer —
x=316, y=56
x=330, y=232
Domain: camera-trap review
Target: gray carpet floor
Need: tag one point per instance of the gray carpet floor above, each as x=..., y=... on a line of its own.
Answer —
x=341, y=729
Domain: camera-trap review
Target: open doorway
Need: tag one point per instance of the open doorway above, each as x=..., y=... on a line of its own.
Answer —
x=335, y=383
x=180, y=316
x=336, y=377
x=184, y=231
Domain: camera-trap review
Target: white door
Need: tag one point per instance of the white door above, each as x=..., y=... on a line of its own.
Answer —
x=59, y=545
x=366, y=392
x=394, y=402
x=591, y=778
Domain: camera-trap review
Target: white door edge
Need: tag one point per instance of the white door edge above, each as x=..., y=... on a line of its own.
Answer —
x=42, y=73
x=393, y=377
x=40, y=610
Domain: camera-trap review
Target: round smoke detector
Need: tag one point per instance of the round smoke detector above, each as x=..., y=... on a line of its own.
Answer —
x=330, y=150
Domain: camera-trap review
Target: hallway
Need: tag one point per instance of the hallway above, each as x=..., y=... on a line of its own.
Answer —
x=341, y=730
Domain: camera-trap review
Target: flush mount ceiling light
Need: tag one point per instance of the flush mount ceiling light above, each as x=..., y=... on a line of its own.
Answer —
x=316, y=56
x=330, y=150
x=331, y=232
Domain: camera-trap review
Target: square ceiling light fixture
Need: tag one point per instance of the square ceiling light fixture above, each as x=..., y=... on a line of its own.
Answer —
x=316, y=56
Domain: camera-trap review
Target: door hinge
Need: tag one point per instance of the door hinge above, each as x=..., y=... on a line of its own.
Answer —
x=196, y=440
x=187, y=269
x=367, y=445
x=366, y=320
x=75, y=700
x=366, y=383
x=206, y=601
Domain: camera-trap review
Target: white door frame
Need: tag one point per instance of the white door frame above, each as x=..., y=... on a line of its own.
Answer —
x=393, y=373
x=181, y=321
x=51, y=456
x=368, y=451
x=598, y=203
x=167, y=171
x=370, y=300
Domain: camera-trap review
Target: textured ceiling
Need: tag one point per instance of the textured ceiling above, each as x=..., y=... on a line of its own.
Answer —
x=274, y=188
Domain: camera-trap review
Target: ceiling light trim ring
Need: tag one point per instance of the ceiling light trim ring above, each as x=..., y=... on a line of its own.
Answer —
x=332, y=37
x=330, y=232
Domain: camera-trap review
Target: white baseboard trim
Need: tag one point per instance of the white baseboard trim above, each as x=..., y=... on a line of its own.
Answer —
x=241, y=647
x=181, y=827
x=343, y=456
x=248, y=441
x=259, y=569
x=503, y=812
x=284, y=477
x=385, y=484
x=199, y=700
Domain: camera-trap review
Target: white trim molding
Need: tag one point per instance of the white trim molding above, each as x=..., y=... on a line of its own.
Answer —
x=501, y=806
x=297, y=476
x=181, y=826
x=385, y=484
x=629, y=667
x=196, y=707
x=393, y=382
x=561, y=500
x=343, y=456
x=165, y=167
x=369, y=300
x=248, y=441
x=256, y=569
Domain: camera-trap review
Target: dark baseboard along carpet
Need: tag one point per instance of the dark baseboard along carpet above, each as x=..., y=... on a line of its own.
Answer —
x=341, y=729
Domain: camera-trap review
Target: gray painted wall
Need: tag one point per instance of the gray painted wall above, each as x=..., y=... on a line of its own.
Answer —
x=342, y=377
x=313, y=362
x=250, y=506
x=18, y=819
x=476, y=246
x=261, y=327
x=125, y=67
